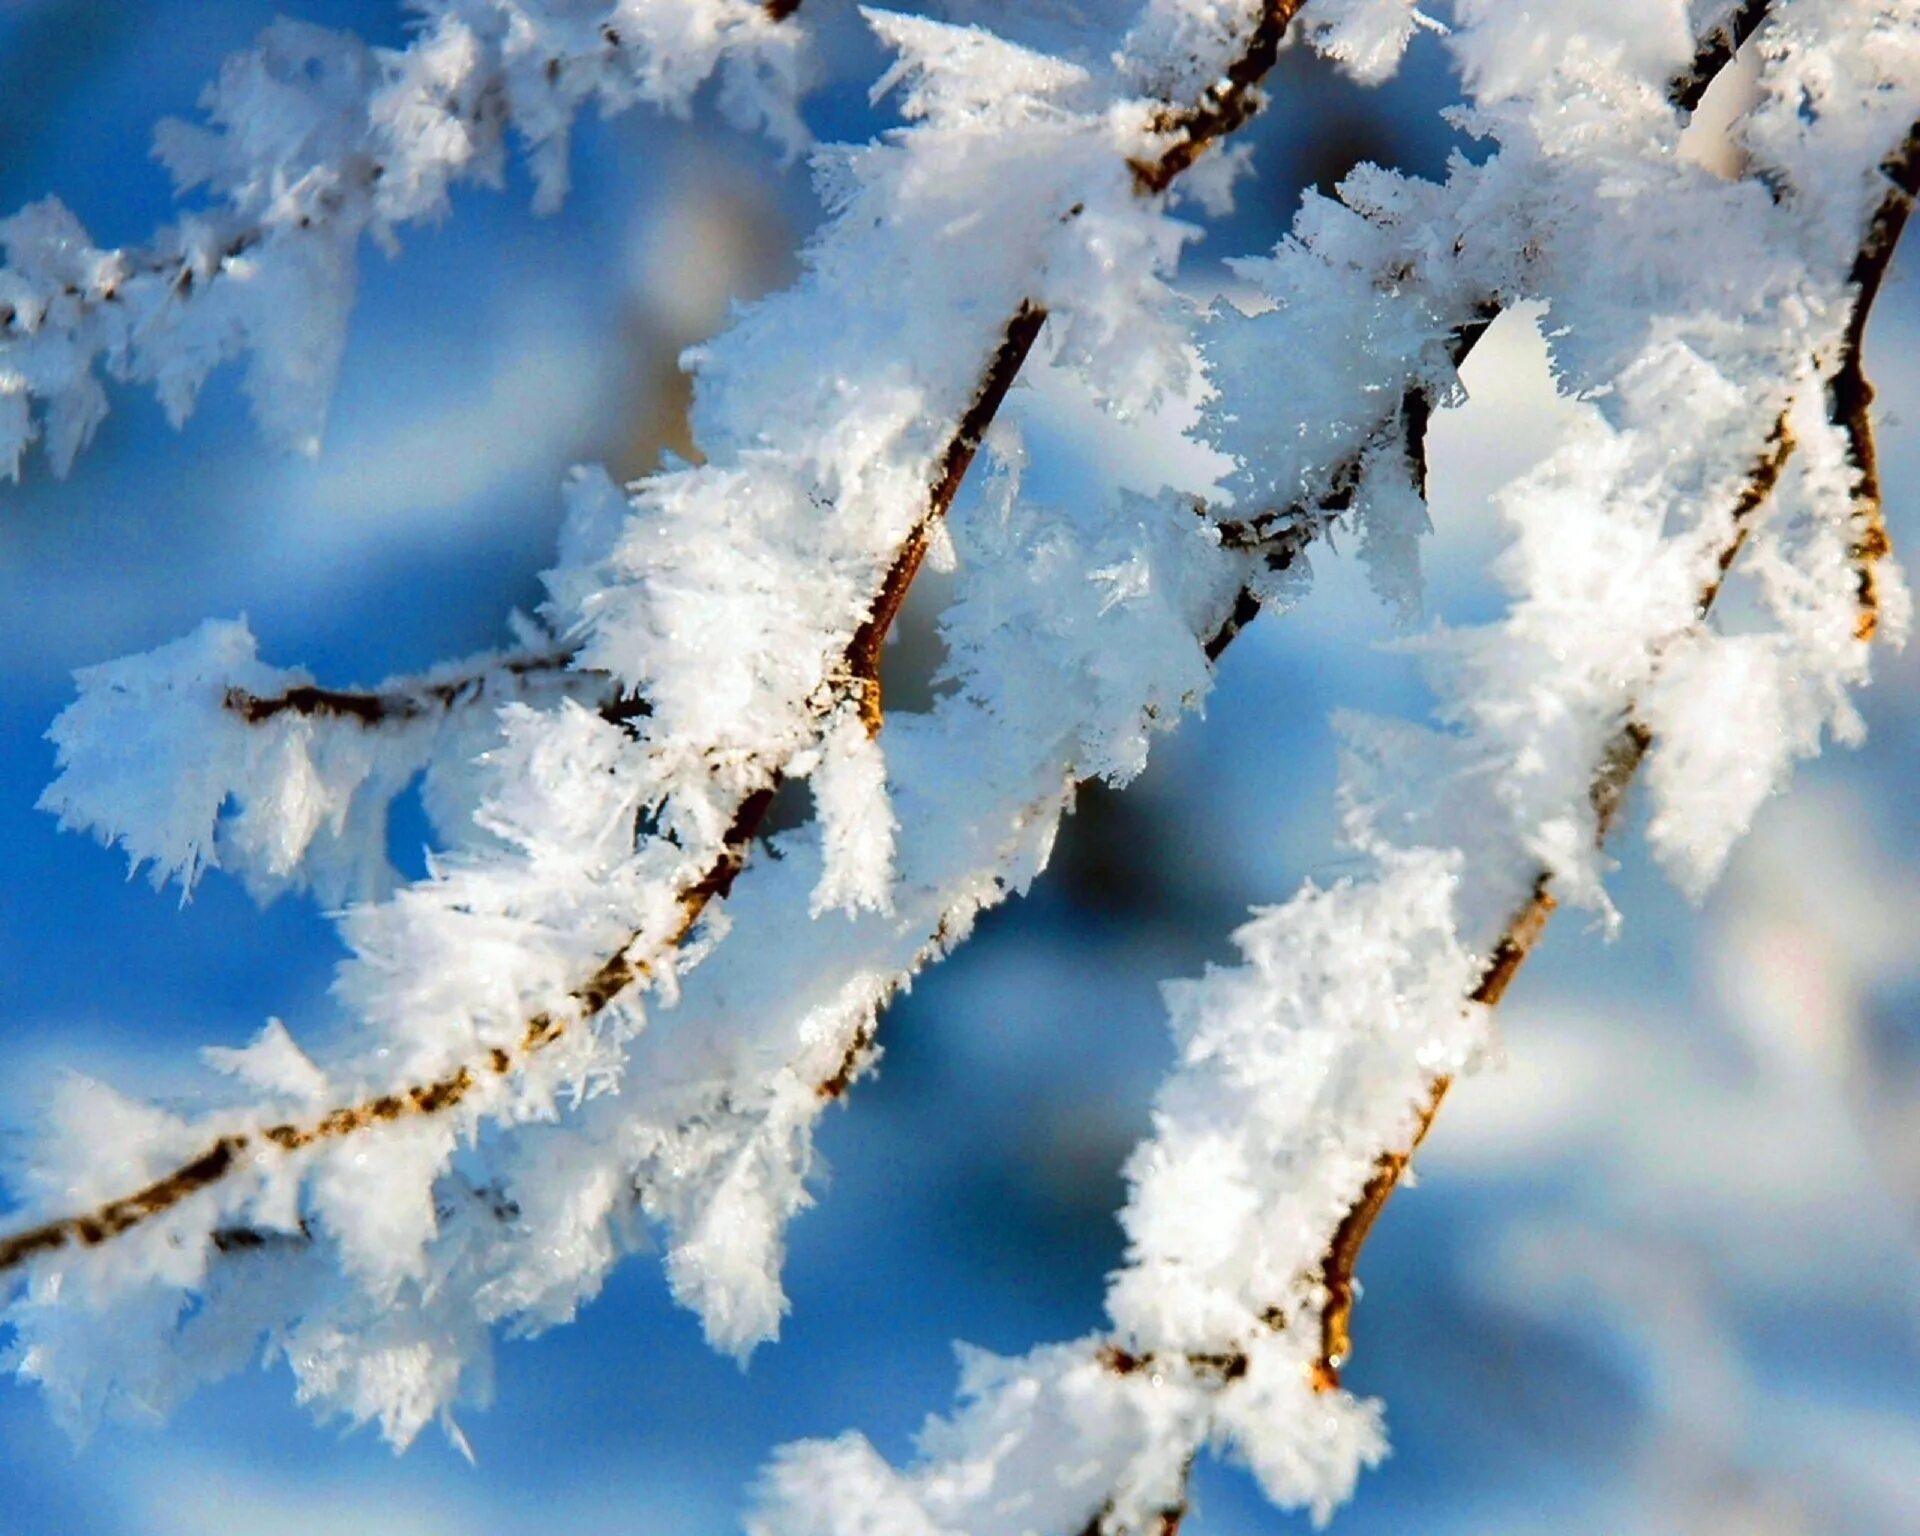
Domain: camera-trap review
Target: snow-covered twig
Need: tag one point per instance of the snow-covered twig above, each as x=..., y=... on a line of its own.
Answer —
x=318, y=140
x=1279, y=537
x=407, y=698
x=1849, y=397
x=1226, y=104
x=1612, y=776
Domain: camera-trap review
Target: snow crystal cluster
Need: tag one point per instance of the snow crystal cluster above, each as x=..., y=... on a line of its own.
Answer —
x=611, y=1014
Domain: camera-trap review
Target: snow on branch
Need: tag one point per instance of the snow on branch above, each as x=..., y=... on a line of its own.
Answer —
x=1225, y=105
x=314, y=141
x=1308, y=1075
x=740, y=693
x=1850, y=396
x=604, y=1016
x=199, y=756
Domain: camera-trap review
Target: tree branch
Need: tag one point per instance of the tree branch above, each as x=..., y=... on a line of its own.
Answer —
x=1849, y=398
x=62, y=321
x=1517, y=942
x=860, y=663
x=1223, y=109
x=413, y=698
x=869, y=641
x=1849, y=402
x=1850, y=394
x=1280, y=536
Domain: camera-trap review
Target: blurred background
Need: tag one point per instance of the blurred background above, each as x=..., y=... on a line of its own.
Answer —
x=1662, y=1269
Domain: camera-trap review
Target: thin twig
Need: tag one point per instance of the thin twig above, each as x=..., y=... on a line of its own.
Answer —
x=180, y=274
x=1280, y=536
x=405, y=700
x=1618, y=765
x=1224, y=106
x=869, y=640
x=1849, y=400
x=1850, y=395
x=189, y=270
x=1523, y=932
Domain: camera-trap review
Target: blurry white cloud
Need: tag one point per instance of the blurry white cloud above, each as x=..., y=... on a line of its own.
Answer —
x=450, y=441
x=228, y=1500
x=698, y=247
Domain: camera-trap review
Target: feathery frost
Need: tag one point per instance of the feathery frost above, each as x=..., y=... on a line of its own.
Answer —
x=314, y=140
x=613, y=1014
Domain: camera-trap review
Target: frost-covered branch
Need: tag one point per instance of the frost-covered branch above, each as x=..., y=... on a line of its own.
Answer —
x=618, y=1005
x=1850, y=396
x=1277, y=539
x=858, y=673
x=699, y=773
x=315, y=141
x=853, y=678
x=1613, y=775
x=409, y=702
x=1227, y=103
x=201, y=756
x=403, y=698
x=1305, y=1074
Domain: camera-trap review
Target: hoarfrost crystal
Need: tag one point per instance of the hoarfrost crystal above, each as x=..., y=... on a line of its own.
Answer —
x=616, y=1006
